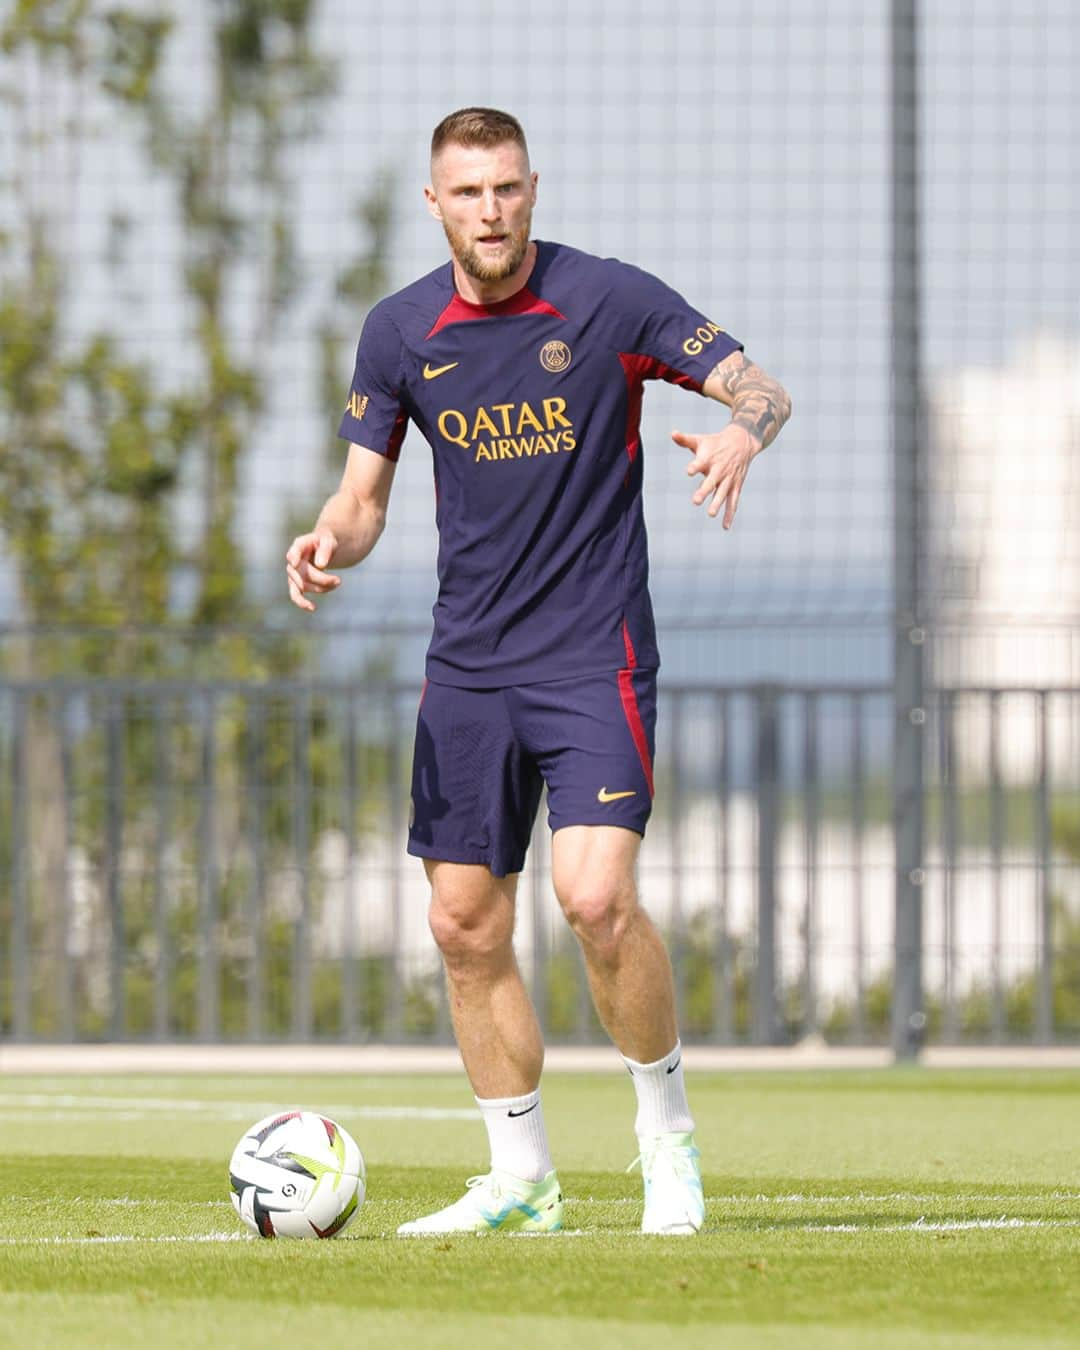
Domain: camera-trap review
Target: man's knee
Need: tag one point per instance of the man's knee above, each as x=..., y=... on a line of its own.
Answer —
x=471, y=923
x=599, y=910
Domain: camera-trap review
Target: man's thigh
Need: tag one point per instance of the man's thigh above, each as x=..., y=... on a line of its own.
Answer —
x=474, y=791
x=469, y=895
x=593, y=738
x=597, y=862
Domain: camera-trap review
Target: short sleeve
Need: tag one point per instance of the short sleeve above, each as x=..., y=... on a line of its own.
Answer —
x=374, y=415
x=673, y=340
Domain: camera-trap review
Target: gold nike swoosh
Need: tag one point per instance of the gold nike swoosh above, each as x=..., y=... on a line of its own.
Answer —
x=605, y=796
x=433, y=373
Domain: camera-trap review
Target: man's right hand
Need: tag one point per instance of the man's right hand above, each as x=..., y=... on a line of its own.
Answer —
x=305, y=563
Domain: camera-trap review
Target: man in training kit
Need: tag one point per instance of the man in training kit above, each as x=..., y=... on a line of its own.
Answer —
x=523, y=362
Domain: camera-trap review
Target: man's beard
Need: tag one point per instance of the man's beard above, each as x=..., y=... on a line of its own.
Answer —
x=472, y=261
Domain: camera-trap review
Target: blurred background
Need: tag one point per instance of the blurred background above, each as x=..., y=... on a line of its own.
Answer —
x=867, y=823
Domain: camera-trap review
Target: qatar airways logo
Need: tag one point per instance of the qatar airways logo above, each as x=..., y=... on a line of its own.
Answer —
x=510, y=430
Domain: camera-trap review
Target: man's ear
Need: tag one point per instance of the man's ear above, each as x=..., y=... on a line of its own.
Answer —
x=432, y=202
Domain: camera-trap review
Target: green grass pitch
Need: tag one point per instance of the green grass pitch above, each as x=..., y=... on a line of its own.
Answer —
x=850, y=1210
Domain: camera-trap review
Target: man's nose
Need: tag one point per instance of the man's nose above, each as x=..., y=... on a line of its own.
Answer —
x=492, y=208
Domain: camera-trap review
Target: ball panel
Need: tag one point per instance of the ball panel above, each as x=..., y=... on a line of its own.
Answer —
x=332, y=1195
x=344, y=1218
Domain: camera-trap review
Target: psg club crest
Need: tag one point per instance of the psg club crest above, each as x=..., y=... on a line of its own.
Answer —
x=555, y=356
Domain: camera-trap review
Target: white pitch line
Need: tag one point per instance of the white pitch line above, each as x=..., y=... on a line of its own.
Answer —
x=899, y=1198
x=31, y=1105
x=105, y=1240
x=126, y=1202
x=37, y=1115
x=1038, y=1198
x=932, y=1226
x=40, y=1116
x=919, y=1226
x=869, y=1198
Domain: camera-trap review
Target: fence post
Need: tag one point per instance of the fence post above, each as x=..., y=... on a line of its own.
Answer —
x=1044, y=1002
x=208, y=993
x=812, y=826
x=723, y=959
x=950, y=826
x=301, y=1013
x=350, y=964
x=258, y=812
x=909, y=634
x=768, y=793
x=64, y=960
x=858, y=833
x=21, y=826
x=114, y=825
x=163, y=973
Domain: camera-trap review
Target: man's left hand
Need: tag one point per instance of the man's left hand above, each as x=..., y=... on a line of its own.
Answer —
x=723, y=457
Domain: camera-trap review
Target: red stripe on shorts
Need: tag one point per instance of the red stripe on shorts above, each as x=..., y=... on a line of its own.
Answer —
x=633, y=719
x=631, y=658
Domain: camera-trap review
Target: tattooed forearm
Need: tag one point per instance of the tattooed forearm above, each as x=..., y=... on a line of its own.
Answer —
x=757, y=401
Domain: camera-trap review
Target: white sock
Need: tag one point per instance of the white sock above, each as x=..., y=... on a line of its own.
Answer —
x=517, y=1136
x=662, y=1107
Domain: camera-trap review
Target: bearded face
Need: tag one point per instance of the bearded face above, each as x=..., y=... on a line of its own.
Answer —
x=483, y=197
x=493, y=256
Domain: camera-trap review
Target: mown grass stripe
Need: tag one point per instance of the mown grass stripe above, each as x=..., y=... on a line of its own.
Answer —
x=917, y=1226
x=860, y=1198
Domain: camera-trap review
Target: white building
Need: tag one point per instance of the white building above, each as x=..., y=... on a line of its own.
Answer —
x=1003, y=577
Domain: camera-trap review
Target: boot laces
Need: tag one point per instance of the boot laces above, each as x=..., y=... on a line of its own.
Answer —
x=486, y=1180
x=679, y=1158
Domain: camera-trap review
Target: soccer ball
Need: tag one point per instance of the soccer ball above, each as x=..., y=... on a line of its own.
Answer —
x=297, y=1174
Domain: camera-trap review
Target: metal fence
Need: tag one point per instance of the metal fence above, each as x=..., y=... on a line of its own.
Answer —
x=222, y=861
x=866, y=821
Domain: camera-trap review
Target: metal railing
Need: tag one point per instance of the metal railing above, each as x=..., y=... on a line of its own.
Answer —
x=227, y=861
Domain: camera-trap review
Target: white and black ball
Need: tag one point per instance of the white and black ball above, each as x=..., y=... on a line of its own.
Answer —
x=297, y=1174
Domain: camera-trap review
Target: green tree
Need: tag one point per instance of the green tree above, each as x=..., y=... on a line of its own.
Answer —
x=97, y=447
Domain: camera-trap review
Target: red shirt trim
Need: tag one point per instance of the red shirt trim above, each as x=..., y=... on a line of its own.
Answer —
x=638, y=369
x=521, y=302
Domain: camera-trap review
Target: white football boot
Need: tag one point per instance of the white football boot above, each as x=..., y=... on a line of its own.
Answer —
x=674, y=1200
x=496, y=1203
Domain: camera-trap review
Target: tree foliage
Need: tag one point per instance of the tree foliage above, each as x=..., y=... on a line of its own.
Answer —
x=99, y=446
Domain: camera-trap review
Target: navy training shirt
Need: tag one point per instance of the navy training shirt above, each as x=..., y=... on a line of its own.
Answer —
x=532, y=408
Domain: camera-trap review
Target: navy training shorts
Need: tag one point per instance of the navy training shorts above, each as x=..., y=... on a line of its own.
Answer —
x=482, y=757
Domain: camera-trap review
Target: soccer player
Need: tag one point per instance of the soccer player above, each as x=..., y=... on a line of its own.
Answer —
x=522, y=363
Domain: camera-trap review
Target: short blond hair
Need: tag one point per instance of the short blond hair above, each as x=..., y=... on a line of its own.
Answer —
x=477, y=126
